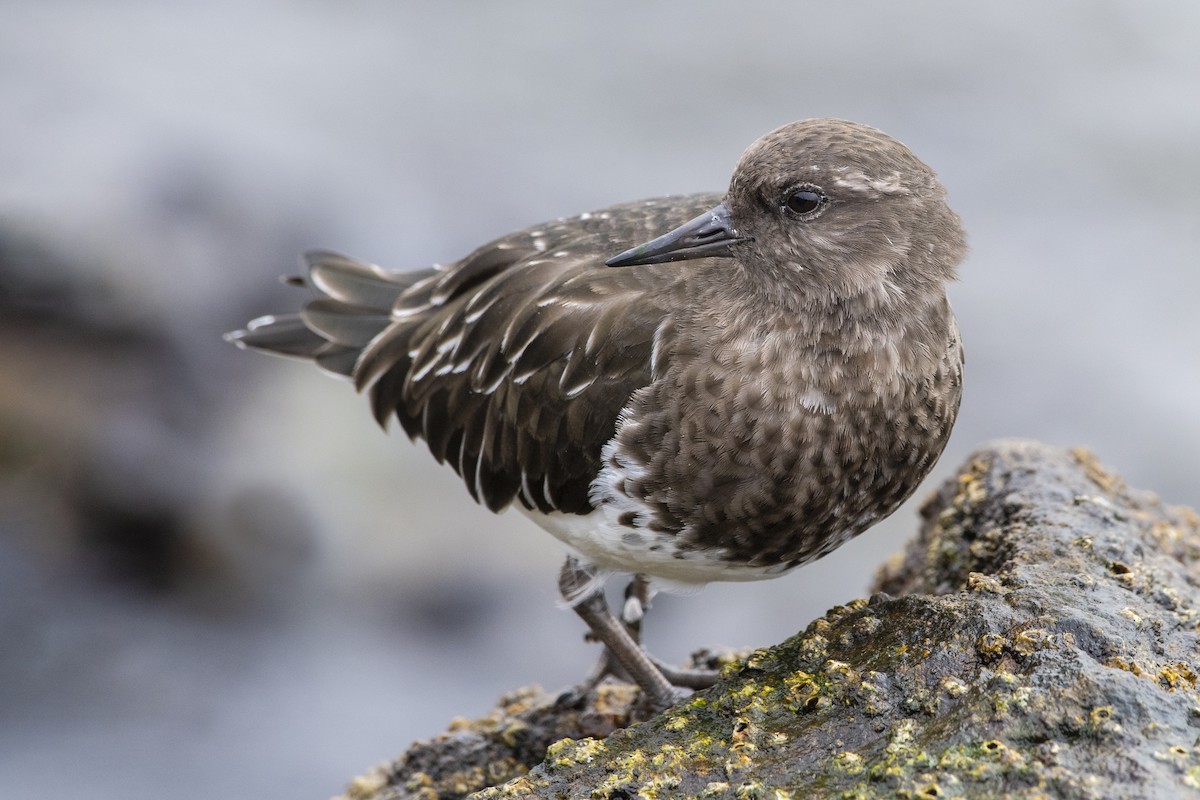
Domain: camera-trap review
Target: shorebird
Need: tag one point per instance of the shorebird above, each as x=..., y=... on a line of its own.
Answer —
x=686, y=389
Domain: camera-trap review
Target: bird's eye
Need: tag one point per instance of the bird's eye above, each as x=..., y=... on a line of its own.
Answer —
x=804, y=201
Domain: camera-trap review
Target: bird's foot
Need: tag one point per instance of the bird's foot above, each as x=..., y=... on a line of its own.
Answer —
x=579, y=696
x=623, y=655
x=686, y=677
x=624, y=658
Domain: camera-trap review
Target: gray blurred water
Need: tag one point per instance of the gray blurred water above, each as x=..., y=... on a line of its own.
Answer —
x=216, y=574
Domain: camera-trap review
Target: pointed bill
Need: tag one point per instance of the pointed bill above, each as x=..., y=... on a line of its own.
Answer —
x=710, y=235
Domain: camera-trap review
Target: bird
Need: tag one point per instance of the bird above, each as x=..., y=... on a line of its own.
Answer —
x=685, y=389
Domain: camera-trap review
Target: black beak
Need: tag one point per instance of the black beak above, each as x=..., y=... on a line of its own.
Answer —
x=707, y=236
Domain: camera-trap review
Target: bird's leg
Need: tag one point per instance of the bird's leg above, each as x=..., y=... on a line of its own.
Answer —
x=580, y=589
x=637, y=602
x=687, y=678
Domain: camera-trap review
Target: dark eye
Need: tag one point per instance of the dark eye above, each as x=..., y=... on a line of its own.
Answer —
x=803, y=201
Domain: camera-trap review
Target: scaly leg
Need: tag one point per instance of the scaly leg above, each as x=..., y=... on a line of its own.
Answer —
x=583, y=593
x=637, y=602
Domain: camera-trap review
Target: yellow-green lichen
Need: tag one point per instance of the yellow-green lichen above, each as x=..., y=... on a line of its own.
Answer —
x=978, y=582
x=1030, y=640
x=1103, y=721
x=1177, y=676
x=801, y=693
x=991, y=645
x=569, y=752
x=848, y=763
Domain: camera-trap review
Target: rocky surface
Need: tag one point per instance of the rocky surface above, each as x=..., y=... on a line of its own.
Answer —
x=1037, y=639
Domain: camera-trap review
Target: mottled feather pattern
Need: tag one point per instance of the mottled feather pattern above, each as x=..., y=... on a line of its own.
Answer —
x=722, y=456
x=514, y=363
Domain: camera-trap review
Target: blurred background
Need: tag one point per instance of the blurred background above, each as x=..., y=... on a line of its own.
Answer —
x=217, y=574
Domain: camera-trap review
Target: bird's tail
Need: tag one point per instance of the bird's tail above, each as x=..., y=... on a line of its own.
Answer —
x=353, y=305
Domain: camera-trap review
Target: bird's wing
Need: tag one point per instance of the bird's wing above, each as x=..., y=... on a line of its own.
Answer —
x=515, y=363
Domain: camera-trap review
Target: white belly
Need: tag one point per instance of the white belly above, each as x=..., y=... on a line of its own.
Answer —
x=601, y=541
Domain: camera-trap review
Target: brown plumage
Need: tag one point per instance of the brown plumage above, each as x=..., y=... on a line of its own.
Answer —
x=729, y=417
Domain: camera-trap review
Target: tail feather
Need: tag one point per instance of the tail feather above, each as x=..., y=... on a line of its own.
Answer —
x=366, y=286
x=339, y=360
x=285, y=335
x=353, y=306
x=342, y=323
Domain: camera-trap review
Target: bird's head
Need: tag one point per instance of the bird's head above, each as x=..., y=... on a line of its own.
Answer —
x=829, y=210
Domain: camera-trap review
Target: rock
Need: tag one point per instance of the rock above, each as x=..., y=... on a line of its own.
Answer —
x=1037, y=639
x=476, y=754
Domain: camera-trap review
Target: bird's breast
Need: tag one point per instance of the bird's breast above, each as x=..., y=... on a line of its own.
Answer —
x=765, y=450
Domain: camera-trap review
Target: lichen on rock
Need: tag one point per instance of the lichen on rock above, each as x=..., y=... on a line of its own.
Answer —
x=1037, y=639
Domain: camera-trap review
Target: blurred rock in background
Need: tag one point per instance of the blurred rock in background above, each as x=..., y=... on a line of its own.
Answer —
x=216, y=571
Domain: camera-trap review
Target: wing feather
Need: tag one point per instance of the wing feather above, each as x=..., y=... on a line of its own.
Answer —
x=515, y=363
